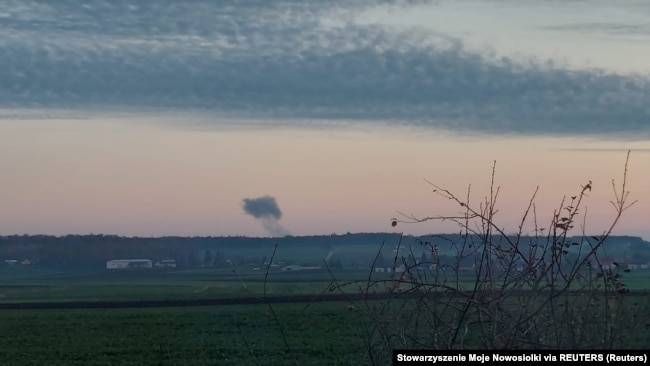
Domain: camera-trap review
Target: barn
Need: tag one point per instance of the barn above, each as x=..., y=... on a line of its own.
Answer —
x=128, y=263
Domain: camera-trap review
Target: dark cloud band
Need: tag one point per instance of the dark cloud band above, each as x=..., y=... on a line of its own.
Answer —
x=279, y=60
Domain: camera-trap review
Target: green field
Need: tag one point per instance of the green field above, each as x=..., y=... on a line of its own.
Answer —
x=319, y=334
x=306, y=333
x=22, y=284
x=316, y=333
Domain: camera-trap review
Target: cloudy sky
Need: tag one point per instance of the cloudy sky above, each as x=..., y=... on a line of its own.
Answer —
x=163, y=118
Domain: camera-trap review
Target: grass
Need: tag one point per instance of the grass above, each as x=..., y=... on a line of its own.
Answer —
x=319, y=334
x=573, y=322
x=153, y=290
x=24, y=284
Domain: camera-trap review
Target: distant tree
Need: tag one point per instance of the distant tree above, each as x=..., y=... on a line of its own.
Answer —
x=335, y=262
x=192, y=259
x=208, y=259
x=219, y=259
x=424, y=259
x=410, y=260
x=381, y=261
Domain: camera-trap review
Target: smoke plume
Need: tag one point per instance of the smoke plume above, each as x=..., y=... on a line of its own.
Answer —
x=267, y=211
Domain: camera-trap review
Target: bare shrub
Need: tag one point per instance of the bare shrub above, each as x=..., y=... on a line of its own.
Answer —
x=547, y=289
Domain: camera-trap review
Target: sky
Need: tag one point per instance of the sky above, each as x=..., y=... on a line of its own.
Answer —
x=142, y=118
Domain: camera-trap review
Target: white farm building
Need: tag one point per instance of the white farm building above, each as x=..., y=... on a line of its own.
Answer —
x=128, y=263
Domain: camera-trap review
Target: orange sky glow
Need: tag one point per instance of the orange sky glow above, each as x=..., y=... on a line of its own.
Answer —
x=133, y=177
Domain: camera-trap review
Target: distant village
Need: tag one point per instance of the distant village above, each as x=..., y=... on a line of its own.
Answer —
x=348, y=251
x=130, y=264
x=171, y=263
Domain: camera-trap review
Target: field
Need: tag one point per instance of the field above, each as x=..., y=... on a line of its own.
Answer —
x=242, y=335
x=22, y=284
x=315, y=332
x=305, y=329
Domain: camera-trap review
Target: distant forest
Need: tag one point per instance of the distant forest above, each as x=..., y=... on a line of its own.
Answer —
x=358, y=250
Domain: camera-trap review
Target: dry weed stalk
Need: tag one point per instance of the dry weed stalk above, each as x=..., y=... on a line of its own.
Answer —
x=547, y=290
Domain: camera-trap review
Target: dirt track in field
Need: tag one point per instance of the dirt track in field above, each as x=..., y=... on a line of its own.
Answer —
x=191, y=302
x=233, y=301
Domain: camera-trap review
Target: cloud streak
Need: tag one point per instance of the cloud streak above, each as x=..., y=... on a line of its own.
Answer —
x=295, y=61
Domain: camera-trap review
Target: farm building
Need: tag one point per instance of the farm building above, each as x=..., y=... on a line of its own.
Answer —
x=297, y=267
x=128, y=263
x=605, y=265
x=166, y=263
x=399, y=269
x=292, y=267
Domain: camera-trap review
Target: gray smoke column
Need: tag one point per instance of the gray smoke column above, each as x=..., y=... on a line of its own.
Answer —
x=266, y=210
